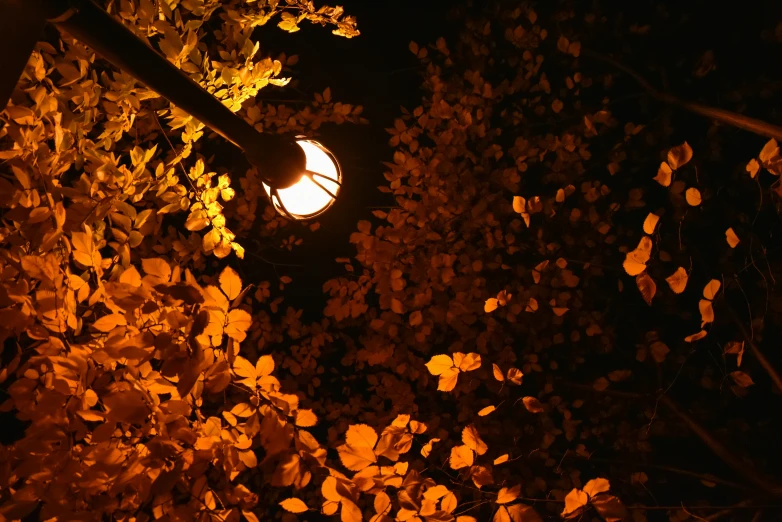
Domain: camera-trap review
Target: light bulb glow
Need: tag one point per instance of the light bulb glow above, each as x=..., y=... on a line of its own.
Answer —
x=317, y=188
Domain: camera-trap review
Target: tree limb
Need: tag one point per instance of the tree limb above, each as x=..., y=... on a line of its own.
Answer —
x=730, y=118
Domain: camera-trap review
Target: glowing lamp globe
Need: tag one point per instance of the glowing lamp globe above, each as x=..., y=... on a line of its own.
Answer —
x=317, y=188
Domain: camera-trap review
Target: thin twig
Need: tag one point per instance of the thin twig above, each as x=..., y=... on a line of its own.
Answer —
x=770, y=370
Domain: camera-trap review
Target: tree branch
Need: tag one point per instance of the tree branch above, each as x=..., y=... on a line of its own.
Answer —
x=770, y=370
x=730, y=118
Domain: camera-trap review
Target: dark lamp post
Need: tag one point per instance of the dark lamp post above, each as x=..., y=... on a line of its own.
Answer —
x=301, y=177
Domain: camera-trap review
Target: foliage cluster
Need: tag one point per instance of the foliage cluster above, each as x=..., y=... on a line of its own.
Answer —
x=564, y=289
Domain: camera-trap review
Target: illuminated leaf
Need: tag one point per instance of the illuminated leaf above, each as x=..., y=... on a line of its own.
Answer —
x=294, y=505
x=736, y=348
x=635, y=261
x=506, y=495
x=238, y=322
x=574, y=502
x=230, y=283
x=753, y=167
x=596, y=486
x=664, y=174
x=382, y=503
x=707, y=312
x=358, y=451
x=770, y=151
x=439, y=364
x=533, y=405
x=427, y=449
x=695, y=337
x=647, y=287
x=448, y=379
x=490, y=305
x=461, y=457
x=472, y=440
x=486, y=411
x=693, y=196
x=109, y=322
x=679, y=156
x=678, y=280
x=519, y=204
x=470, y=362
x=711, y=289
x=305, y=418
x=732, y=238
x=497, y=372
x=156, y=267
x=514, y=376
x=650, y=223
x=501, y=459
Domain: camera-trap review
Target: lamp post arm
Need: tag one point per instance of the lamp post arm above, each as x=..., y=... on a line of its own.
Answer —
x=279, y=160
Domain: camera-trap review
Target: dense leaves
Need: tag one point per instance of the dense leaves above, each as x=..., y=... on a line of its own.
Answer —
x=560, y=292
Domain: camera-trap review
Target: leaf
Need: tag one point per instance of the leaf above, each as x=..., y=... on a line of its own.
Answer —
x=461, y=457
x=695, y=337
x=305, y=418
x=650, y=223
x=294, y=505
x=514, y=376
x=596, y=486
x=770, y=151
x=693, y=197
x=737, y=349
x=732, y=238
x=659, y=351
x=635, y=261
x=711, y=289
x=264, y=366
x=574, y=501
x=439, y=364
x=664, y=175
x=109, y=322
x=382, y=503
x=679, y=156
x=523, y=513
x=485, y=411
x=753, y=167
x=508, y=494
x=230, y=283
x=416, y=318
x=490, y=305
x=742, y=379
x=678, y=280
x=497, y=372
x=533, y=405
x=600, y=384
x=156, y=267
x=472, y=440
x=358, y=451
x=427, y=449
x=610, y=508
x=448, y=380
x=707, y=312
x=471, y=361
x=647, y=287
x=239, y=322
x=519, y=204
x=501, y=459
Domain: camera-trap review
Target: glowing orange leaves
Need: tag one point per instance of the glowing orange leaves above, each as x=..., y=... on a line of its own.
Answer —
x=677, y=157
x=678, y=280
x=358, y=451
x=635, y=261
x=577, y=499
x=448, y=369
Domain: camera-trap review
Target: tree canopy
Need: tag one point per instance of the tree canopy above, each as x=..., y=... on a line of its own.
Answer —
x=566, y=311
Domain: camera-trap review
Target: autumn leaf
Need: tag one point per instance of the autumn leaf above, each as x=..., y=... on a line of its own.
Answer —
x=753, y=167
x=514, y=376
x=693, y=196
x=358, y=451
x=467, y=363
x=472, y=440
x=735, y=348
x=533, y=405
x=650, y=223
x=461, y=457
x=596, y=486
x=574, y=502
x=294, y=505
x=439, y=364
x=497, y=372
x=427, y=448
x=230, y=283
x=109, y=322
x=678, y=280
x=635, y=261
x=501, y=459
x=695, y=337
x=742, y=379
x=732, y=238
x=486, y=411
x=238, y=322
x=711, y=289
x=305, y=418
x=707, y=312
x=448, y=379
x=156, y=267
x=679, y=156
x=664, y=175
x=490, y=305
x=647, y=287
x=507, y=495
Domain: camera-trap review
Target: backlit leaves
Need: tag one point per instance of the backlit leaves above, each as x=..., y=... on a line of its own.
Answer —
x=635, y=261
x=732, y=238
x=448, y=369
x=647, y=287
x=461, y=457
x=678, y=280
x=679, y=156
x=693, y=196
x=294, y=505
x=358, y=451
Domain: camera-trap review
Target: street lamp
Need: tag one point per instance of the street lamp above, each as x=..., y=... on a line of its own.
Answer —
x=300, y=176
